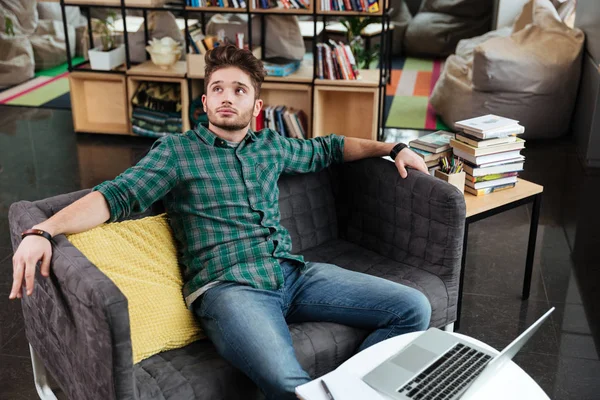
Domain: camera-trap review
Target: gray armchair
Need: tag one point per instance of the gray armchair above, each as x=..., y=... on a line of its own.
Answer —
x=360, y=215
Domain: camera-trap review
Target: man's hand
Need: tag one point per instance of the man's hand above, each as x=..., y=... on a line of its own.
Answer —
x=408, y=158
x=31, y=250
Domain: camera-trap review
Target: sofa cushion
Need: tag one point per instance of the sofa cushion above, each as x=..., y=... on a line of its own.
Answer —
x=140, y=257
x=198, y=372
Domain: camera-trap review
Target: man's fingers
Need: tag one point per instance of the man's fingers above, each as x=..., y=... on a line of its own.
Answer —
x=45, y=268
x=30, y=275
x=15, y=291
x=402, y=169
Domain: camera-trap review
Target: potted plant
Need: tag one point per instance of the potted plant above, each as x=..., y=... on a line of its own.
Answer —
x=107, y=56
x=354, y=27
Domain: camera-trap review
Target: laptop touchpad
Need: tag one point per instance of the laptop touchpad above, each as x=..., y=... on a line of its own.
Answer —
x=414, y=358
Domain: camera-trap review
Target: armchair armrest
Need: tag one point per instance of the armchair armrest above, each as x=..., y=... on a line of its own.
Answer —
x=419, y=220
x=76, y=320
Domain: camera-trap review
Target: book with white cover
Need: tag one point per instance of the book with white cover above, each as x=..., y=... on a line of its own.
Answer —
x=494, y=163
x=488, y=158
x=497, y=133
x=486, y=123
x=496, y=169
x=482, y=143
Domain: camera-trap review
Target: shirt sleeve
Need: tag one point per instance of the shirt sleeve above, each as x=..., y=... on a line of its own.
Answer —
x=141, y=185
x=312, y=155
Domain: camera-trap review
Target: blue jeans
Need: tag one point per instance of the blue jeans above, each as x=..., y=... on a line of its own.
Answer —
x=249, y=329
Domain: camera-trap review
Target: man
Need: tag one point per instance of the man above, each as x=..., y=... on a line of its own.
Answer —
x=219, y=186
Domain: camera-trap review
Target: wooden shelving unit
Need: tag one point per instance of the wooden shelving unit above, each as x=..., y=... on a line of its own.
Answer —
x=354, y=114
x=144, y=73
x=102, y=101
x=99, y=102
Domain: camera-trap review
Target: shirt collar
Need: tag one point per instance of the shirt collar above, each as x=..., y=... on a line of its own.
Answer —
x=211, y=139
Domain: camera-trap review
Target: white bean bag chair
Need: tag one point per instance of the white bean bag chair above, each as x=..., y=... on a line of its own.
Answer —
x=530, y=75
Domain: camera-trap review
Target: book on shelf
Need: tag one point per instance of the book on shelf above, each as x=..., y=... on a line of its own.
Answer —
x=288, y=122
x=481, y=143
x=429, y=156
x=477, y=171
x=279, y=66
x=370, y=6
x=491, y=183
x=217, y=3
x=336, y=61
x=281, y=4
x=489, y=158
x=481, y=192
x=482, y=151
x=486, y=123
x=434, y=142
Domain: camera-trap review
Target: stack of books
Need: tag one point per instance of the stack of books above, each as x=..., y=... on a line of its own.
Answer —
x=282, y=4
x=286, y=121
x=199, y=43
x=491, y=152
x=371, y=6
x=336, y=61
x=432, y=148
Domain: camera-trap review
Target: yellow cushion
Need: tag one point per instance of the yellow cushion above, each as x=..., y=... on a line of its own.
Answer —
x=140, y=257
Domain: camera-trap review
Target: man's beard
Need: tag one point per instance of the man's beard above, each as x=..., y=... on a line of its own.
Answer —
x=240, y=121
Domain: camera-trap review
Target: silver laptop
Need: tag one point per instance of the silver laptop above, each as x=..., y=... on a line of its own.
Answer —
x=440, y=366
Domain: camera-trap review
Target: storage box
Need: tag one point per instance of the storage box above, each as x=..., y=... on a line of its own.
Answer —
x=457, y=180
x=348, y=111
x=99, y=102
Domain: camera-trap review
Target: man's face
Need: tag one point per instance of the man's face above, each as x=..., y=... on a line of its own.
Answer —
x=229, y=99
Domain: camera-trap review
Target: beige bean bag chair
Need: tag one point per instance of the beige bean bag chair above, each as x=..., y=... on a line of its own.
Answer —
x=530, y=74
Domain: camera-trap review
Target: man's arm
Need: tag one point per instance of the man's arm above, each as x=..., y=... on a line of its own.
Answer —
x=86, y=213
x=357, y=149
x=132, y=191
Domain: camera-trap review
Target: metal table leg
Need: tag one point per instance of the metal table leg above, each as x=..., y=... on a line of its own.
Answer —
x=462, y=276
x=535, y=215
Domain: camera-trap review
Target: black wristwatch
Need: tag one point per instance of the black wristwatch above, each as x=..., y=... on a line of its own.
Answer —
x=397, y=149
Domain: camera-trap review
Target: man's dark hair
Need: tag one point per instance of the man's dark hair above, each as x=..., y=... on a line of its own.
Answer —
x=231, y=56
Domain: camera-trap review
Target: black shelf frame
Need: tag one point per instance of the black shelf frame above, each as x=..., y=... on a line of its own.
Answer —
x=184, y=10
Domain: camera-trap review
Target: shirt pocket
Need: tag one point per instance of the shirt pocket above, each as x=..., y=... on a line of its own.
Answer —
x=267, y=175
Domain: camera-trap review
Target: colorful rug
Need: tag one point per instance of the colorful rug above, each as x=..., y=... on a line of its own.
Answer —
x=407, y=101
x=48, y=89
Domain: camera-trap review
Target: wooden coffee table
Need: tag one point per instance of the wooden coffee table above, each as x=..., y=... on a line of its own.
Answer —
x=480, y=207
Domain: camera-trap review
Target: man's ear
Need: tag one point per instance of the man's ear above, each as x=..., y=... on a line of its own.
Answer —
x=204, y=102
x=258, y=103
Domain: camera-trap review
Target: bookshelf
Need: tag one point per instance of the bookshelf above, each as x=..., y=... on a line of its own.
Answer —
x=355, y=114
x=101, y=100
x=101, y=103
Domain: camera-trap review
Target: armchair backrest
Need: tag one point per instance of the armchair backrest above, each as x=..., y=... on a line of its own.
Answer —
x=308, y=208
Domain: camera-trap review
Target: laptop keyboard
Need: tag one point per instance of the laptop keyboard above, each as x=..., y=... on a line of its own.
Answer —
x=448, y=375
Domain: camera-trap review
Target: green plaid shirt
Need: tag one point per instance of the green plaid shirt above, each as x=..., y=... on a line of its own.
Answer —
x=222, y=201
